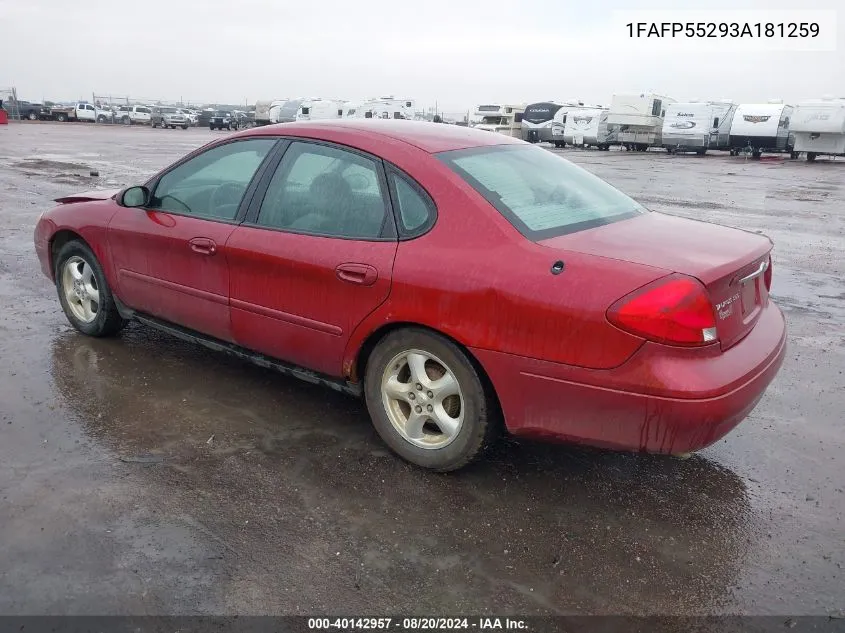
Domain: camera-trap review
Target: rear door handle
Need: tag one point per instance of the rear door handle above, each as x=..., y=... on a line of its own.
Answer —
x=362, y=274
x=203, y=246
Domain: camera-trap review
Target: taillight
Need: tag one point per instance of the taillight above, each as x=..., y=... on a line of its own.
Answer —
x=674, y=310
x=767, y=276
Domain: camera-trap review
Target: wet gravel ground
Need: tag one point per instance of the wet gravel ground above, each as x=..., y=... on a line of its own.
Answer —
x=142, y=475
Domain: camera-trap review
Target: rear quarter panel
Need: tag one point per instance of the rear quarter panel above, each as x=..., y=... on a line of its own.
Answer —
x=474, y=278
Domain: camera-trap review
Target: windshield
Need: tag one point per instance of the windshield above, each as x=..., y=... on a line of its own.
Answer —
x=540, y=193
x=168, y=110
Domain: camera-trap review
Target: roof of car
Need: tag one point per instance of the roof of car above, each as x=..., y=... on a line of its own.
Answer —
x=429, y=137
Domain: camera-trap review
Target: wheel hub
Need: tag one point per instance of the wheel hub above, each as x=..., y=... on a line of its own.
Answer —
x=79, y=290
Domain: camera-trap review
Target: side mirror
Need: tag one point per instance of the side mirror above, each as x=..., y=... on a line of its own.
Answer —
x=134, y=197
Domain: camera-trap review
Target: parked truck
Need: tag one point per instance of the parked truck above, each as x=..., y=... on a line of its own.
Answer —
x=27, y=110
x=81, y=112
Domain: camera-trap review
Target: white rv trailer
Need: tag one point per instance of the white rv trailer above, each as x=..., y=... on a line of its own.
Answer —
x=697, y=126
x=504, y=119
x=349, y=109
x=638, y=119
x=761, y=127
x=319, y=109
x=819, y=127
x=284, y=110
x=587, y=127
x=262, y=112
x=385, y=108
x=544, y=121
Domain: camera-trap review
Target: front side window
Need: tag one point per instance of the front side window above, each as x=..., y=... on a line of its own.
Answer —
x=89, y=107
x=325, y=191
x=540, y=193
x=212, y=184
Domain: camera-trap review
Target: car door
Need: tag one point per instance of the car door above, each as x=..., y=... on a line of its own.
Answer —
x=314, y=256
x=170, y=257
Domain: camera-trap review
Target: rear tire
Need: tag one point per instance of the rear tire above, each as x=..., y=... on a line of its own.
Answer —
x=127, y=121
x=184, y=127
x=756, y=153
x=61, y=118
x=443, y=431
x=79, y=277
x=811, y=156
x=32, y=116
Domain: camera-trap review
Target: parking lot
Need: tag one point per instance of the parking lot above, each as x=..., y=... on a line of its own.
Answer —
x=143, y=475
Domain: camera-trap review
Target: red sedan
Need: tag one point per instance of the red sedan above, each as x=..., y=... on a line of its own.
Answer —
x=462, y=282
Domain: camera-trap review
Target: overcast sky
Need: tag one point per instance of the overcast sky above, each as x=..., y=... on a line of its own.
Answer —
x=455, y=52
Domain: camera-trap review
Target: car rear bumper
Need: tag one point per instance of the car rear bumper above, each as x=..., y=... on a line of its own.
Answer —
x=662, y=400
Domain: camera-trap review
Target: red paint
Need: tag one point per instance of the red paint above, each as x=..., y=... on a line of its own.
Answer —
x=288, y=300
x=560, y=368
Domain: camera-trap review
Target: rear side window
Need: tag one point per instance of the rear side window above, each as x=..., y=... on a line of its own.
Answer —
x=416, y=209
x=322, y=190
x=540, y=193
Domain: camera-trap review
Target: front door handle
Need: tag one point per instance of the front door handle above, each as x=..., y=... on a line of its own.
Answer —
x=362, y=274
x=203, y=246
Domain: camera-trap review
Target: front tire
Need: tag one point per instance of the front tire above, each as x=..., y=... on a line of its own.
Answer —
x=427, y=400
x=84, y=293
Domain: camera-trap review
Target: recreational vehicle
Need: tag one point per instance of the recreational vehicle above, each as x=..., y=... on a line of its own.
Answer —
x=284, y=110
x=587, y=127
x=544, y=121
x=819, y=127
x=349, y=109
x=761, y=127
x=504, y=119
x=262, y=112
x=385, y=108
x=697, y=126
x=319, y=109
x=638, y=119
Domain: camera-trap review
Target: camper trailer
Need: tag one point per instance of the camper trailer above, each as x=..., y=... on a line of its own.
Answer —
x=504, y=119
x=284, y=110
x=761, y=127
x=537, y=121
x=587, y=127
x=385, y=108
x=262, y=112
x=544, y=121
x=319, y=109
x=638, y=119
x=697, y=126
x=349, y=109
x=819, y=127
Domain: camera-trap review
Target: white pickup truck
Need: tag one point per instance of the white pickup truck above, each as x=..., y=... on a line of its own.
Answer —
x=81, y=112
x=137, y=115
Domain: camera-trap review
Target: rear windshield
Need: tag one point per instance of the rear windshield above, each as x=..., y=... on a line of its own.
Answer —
x=540, y=193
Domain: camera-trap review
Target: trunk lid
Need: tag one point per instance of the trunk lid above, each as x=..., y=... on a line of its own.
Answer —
x=731, y=263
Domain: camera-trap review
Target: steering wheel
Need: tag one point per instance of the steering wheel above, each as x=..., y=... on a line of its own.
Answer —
x=226, y=194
